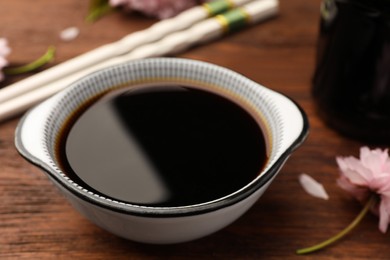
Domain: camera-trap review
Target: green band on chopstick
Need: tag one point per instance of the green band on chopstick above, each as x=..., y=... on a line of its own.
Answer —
x=218, y=6
x=233, y=19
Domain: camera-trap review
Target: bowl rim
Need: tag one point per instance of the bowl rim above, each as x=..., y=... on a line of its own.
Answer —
x=147, y=211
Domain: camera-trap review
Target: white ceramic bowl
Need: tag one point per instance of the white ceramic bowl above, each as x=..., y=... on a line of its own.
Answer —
x=284, y=123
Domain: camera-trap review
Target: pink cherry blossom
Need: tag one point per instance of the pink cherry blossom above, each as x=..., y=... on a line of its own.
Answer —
x=4, y=51
x=157, y=8
x=366, y=175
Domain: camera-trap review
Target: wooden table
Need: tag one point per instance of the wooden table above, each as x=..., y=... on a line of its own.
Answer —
x=38, y=223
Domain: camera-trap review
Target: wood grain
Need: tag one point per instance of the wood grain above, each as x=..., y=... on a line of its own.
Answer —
x=37, y=223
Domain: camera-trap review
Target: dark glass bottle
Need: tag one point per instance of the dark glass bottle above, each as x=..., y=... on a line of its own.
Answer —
x=351, y=84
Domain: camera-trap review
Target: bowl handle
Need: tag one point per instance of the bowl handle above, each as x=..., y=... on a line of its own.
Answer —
x=294, y=119
x=29, y=135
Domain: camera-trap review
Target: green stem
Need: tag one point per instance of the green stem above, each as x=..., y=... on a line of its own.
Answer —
x=47, y=57
x=98, y=8
x=345, y=231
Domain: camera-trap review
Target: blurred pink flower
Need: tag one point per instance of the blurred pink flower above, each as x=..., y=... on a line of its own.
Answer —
x=4, y=51
x=367, y=175
x=157, y=8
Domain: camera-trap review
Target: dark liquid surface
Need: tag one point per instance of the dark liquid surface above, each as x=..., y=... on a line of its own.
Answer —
x=164, y=146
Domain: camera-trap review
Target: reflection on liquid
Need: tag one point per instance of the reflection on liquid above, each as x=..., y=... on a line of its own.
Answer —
x=113, y=142
x=165, y=146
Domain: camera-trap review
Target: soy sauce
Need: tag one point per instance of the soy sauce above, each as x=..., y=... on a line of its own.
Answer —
x=163, y=146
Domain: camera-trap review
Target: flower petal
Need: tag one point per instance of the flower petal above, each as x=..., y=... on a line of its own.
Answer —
x=4, y=48
x=157, y=8
x=69, y=33
x=384, y=214
x=3, y=62
x=386, y=166
x=313, y=187
x=373, y=159
x=353, y=170
x=381, y=183
x=360, y=193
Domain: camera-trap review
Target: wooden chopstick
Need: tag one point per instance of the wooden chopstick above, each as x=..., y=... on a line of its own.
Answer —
x=205, y=30
x=123, y=46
